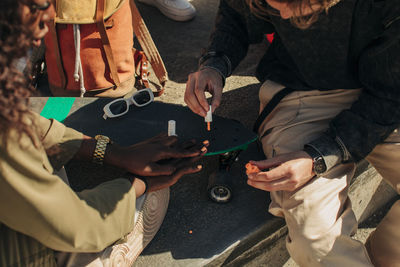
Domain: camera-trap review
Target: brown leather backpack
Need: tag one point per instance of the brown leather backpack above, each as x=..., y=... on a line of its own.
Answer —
x=89, y=49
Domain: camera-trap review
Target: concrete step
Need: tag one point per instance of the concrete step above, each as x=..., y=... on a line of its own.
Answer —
x=198, y=232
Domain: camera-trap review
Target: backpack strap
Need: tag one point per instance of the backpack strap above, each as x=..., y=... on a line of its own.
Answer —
x=148, y=46
x=56, y=46
x=270, y=106
x=106, y=42
x=141, y=68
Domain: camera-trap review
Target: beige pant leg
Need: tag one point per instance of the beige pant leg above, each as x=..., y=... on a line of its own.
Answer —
x=384, y=244
x=95, y=259
x=318, y=215
x=68, y=259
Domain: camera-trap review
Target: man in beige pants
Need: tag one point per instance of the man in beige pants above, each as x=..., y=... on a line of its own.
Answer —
x=330, y=97
x=319, y=214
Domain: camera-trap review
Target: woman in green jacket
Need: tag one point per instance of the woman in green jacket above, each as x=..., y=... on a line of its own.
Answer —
x=39, y=213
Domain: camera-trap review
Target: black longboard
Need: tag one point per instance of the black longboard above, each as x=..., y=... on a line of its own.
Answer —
x=86, y=115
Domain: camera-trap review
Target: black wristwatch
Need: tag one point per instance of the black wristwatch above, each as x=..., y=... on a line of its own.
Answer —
x=319, y=165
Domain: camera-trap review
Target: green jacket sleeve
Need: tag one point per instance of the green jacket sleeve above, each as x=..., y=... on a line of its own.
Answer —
x=39, y=204
x=61, y=142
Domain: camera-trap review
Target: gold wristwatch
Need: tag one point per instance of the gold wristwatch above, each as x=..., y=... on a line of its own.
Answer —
x=100, y=150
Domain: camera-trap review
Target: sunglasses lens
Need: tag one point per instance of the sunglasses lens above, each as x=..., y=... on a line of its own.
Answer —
x=142, y=97
x=118, y=107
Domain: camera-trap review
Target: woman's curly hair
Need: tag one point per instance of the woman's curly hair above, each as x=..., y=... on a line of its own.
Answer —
x=15, y=87
x=262, y=10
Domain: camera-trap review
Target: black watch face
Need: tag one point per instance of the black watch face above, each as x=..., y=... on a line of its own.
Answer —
x=319, y=166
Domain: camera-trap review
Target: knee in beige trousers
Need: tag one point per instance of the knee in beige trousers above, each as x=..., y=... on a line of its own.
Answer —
x=319, y=215
x=383, y=245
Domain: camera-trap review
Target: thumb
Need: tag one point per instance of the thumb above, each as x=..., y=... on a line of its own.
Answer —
x=216, y=100
x=267, y=163
x=160, y=169
x=185, y=170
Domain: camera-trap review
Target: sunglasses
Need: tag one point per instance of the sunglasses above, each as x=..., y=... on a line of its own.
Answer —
x=34, y=8
x=120, y=106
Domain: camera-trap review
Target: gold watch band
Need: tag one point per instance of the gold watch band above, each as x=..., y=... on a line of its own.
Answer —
x=100, y=150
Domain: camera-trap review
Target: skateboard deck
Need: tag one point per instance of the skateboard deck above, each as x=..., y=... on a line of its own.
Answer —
x=86, y=115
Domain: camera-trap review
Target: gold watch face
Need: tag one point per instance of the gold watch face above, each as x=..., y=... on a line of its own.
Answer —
x=100, y=150
x=102, y=137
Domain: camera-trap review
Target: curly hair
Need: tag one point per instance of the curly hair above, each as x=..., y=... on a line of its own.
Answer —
x=15, y=87
x=262, y=10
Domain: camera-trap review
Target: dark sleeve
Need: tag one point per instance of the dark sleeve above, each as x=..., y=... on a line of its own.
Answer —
x=231, y=36
x=374, y=116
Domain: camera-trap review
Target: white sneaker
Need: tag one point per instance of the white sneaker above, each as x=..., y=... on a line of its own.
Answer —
x=148, y=219
x=179, y=10
x=151, y=209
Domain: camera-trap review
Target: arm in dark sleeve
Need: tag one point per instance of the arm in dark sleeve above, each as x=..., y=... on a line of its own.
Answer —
x=231, y=36
x=373, y=117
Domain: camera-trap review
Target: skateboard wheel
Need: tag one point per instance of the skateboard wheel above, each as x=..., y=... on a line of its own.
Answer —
x=220, y=193
x=219, y=186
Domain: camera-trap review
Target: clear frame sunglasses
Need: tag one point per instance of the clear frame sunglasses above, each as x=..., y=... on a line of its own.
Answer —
x=120, y=106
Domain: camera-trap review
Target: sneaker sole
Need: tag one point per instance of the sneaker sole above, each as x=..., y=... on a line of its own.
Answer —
x=148, y=223
x=189, y=13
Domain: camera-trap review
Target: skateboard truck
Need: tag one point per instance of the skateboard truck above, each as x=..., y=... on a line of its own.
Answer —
x=220, y=182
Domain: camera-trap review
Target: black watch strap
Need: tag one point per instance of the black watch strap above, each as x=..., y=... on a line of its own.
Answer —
x=319, y=165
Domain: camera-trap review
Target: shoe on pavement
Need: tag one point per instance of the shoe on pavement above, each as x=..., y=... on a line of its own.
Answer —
x=151, y=210
x=179, y=10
